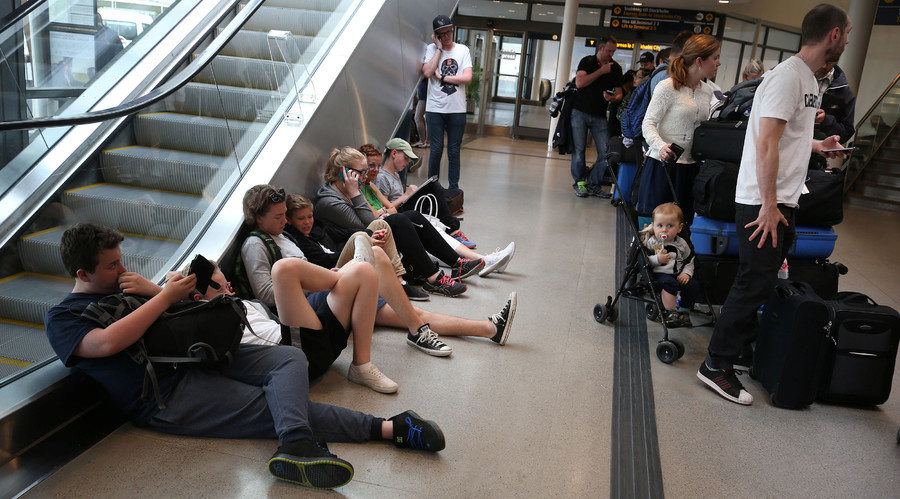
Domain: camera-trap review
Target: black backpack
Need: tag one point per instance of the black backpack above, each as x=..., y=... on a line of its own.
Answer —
x=206, y=333
x=714, y=190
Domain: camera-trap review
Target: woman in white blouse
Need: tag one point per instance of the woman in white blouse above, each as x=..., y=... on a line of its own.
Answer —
x=679, y=104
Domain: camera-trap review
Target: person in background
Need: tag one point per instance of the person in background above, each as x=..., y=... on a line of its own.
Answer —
x=599, y=80
x=421, y=101
x=754, y=69
x=647, y=61
x=448, y=68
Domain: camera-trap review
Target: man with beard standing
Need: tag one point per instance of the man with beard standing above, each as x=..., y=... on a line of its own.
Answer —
x=773, y=169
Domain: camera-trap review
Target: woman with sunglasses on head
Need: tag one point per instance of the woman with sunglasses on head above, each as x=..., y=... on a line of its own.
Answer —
x=339, y=302
x=340, y=203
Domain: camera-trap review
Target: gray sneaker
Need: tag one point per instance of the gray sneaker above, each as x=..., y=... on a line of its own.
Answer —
x=427, y=341
x=581, y=190
x=414, y=293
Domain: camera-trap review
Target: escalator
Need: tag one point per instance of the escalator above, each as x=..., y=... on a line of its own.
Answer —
x=157, y=179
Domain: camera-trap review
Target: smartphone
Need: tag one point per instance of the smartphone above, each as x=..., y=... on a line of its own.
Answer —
x=203, y=269
x=842, y=149
x=677, y=150
x=610, y=92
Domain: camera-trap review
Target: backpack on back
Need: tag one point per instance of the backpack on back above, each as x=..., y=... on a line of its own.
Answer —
x=633, y=115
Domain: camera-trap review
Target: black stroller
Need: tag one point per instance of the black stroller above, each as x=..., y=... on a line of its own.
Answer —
x=637, y=282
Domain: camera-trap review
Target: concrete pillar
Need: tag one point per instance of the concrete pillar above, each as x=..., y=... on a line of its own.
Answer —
x=563, y=61
x=862, y=15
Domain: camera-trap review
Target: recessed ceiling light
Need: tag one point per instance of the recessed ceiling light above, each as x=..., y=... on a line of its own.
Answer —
x=637, y=4
x=723, y=1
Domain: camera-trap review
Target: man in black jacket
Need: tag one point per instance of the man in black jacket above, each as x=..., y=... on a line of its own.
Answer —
x=835, y=115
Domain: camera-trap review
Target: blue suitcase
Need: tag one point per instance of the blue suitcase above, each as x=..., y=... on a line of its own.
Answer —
x=713, y=237
x=625, y=176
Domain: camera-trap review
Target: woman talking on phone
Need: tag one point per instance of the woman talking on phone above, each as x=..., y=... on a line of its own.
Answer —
x=679, y=104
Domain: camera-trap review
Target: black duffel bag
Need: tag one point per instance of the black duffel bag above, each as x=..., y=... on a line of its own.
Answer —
x=721, y=140
x=714, y=190
x=824, y=203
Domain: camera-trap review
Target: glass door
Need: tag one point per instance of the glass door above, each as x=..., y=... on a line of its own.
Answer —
x=537, y=79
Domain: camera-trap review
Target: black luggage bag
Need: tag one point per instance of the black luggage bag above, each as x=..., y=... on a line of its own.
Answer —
x=824, y=203
x=791, y=345
x=716, y=275
x=861, y=357
x=722, y=140
x=714, y=189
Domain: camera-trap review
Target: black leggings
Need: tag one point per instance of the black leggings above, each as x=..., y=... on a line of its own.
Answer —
x=415, y=238
x=443, y=210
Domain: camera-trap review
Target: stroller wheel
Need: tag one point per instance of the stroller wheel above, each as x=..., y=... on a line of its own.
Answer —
x=601, y=313
x=679, y=346
x=666, y=351
x=652, y=312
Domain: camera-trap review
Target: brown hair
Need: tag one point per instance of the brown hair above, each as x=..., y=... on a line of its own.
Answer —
x=340, y=159
x=697, y=46
x=81, y=245
x=669, y=209
x=258, y=199
x=296, y=202
x=819, y=21
x=369, y=150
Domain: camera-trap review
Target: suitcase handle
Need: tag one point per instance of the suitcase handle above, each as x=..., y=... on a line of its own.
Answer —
x=786, y=289
x=853, y=297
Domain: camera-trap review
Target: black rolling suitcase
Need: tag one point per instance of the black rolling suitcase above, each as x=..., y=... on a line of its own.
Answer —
x=721, y=140
x=860, y=360
x=716, y=275
x=791, y=345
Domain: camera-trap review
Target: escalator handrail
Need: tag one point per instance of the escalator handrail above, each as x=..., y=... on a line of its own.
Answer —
x=159, y=93
x=865, y=117
x=19, y=13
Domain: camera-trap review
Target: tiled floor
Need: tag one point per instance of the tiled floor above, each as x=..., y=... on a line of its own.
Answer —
x=532, y=419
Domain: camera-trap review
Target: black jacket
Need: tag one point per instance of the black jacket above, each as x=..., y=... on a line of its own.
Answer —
x=839, y=105
x=562, y=136
x=320, y=238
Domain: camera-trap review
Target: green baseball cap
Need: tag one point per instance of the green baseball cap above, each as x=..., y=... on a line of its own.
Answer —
x=402, y=146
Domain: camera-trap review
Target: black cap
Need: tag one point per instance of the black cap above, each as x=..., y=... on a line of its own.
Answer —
x=441, y=21
x=647, y=57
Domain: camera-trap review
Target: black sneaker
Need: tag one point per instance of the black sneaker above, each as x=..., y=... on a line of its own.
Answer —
x=414, y=293
x=725, y=383
x=427, y=341
x=306, y=463
x=503, y=320
x=444, y=285
x=413, y=432
x=599, y=193
x=465, y=267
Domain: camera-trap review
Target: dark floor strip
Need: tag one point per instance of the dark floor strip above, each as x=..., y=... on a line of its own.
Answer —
x=635, y=470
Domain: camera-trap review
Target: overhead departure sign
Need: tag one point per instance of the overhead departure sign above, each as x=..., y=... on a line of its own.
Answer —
x=653, y=19
x=888, y=13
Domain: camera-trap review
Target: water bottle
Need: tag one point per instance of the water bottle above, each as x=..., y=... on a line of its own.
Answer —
x=783, y=271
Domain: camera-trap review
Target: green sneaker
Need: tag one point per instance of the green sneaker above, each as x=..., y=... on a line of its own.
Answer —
x=581, y=190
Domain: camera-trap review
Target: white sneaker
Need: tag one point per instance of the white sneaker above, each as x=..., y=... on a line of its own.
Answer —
x=498, y=260
x=369, y=375
x=362, y=251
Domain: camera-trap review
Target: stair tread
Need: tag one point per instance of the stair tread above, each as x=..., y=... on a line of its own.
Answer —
x=134, y=244
x=169, y=155
x=194, y=120
x=38, y=288
x=150, y=197
x=22, y=343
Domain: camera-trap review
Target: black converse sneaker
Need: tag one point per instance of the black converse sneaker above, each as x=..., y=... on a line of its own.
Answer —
x=427, y=341
x=413, y=432
x=306, y=463
x=503, y=320
x=725, y=383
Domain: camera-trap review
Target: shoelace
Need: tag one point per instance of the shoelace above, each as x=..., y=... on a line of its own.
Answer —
x=462, y=236
x=447, y=280
x=498, y=317
x=414, y=435
x=431, y=338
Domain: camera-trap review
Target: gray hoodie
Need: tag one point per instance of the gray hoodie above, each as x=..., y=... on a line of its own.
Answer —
x=333, y=209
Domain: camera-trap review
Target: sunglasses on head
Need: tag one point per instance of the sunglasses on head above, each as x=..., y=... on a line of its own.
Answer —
x=277, y=196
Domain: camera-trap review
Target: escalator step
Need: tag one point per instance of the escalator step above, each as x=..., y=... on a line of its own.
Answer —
x=234, y=103
x=182, y=132
x=21, y=344
x=180, y=171
x=326, y=5
x=144, y=255
x=247, y=73
x=256, y=45
x=26, y=297
x=297, y=21
x=136, y=210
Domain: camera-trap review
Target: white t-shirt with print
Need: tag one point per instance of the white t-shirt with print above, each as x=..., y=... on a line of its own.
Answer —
x=268, y=332
x=789, y=92
x=447, y=98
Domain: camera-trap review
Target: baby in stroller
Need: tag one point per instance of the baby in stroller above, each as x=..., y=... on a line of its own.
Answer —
x=672, y=263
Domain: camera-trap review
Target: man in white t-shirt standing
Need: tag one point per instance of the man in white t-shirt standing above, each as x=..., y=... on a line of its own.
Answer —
x=773, y=170
x=448, y=67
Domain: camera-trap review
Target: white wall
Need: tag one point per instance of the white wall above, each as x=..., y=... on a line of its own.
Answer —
x=882, y=65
